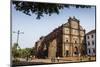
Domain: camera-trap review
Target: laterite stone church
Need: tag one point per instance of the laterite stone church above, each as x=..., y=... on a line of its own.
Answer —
x=66, y=40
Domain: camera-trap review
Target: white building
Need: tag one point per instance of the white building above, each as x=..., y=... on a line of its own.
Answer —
x=91, y=43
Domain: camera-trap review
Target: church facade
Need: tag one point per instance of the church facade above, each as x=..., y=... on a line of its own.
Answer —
x=66, y=40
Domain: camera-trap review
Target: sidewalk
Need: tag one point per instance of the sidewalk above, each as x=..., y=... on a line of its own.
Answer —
x=48, y=61
x=56, y=61
x=65, y=59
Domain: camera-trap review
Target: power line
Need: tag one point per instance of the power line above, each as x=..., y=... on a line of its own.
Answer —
x=18, y=32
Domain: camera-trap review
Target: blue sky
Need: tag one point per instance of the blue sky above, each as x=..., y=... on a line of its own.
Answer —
x=33, y=29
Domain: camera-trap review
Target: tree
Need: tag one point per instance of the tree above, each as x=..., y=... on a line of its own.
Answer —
x=15, y=53
x=25, y=53
x=39, y=9
x=33, y=51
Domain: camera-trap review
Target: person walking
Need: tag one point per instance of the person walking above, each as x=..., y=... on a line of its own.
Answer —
x=58, y=59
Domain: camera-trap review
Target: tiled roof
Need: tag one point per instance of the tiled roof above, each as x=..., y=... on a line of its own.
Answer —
x=92, y=31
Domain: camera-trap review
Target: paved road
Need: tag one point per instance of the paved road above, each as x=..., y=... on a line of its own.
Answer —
x=48, y=61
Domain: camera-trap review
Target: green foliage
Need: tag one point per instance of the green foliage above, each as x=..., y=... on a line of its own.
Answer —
x=39, y=9
x=14, y=50
x=22, y=53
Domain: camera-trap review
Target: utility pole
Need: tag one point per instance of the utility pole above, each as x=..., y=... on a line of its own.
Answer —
x=18, y=32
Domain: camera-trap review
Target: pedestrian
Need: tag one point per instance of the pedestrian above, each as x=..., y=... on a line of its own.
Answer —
x=51, y=59
x=58, y=59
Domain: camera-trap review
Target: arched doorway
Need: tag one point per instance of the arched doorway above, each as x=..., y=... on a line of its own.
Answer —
x=76, y=52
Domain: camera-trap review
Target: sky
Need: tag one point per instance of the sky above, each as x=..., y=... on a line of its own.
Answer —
x=33, y=29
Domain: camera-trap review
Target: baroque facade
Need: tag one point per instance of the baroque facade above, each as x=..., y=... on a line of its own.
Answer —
x=66, y=40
